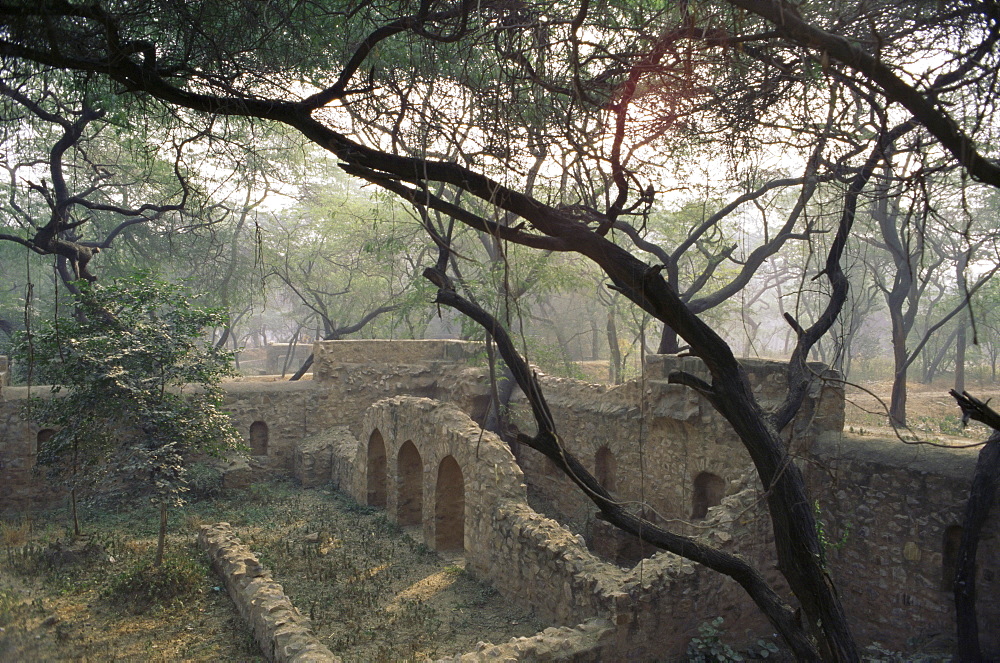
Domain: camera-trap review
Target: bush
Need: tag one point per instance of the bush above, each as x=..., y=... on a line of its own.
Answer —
x=146, y=586
x=204, y=481
x=709, y=647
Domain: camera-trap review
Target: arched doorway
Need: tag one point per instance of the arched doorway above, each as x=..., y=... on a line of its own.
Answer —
x=409, y=502
x=258, y=438
x=449, y=506
x=708, y=492
x=376, y=470
x=606, y=468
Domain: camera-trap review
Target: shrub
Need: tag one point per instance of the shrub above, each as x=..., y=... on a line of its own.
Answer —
x=145, y=586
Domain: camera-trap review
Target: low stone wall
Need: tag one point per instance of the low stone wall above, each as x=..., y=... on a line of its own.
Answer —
x=331, y=355
x=281, y=631
x=314, y=456
x=587, y=643
x=278, y=359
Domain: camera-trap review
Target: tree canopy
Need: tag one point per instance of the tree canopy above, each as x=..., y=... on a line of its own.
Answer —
x=558, y=126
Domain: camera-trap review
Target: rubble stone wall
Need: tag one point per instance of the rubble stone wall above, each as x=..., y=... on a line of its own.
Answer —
x=892, y=515
x=903, y=504
x=23, y=486
x=661, y=436
x=655, y=607
x=349, y=377
x=280, y=630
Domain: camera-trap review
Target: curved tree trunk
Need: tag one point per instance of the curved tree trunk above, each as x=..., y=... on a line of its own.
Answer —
x=982, y=494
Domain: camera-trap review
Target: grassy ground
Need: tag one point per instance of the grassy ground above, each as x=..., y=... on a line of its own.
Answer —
x=932, y=415
x=373, y=592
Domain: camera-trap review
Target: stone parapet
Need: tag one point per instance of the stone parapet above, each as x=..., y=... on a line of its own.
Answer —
x=280, y=630
x=328, y=355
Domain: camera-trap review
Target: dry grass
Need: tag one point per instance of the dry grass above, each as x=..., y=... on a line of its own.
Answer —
x=373, y=592
x=932, y=415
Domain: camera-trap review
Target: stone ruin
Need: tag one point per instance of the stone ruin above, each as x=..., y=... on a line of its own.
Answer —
x=394, y=424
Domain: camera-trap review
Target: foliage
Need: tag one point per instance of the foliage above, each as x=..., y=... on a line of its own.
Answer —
x=144, y=585
x=825, y=542
x=708, y=647
x=8, y=601
x=120, y=371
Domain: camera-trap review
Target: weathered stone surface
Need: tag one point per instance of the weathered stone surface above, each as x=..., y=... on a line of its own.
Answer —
x=902, y=503
x=590, y=641
x=888, y=509
x=280, y=630
x=656, y=607
x=236, y=474
x=314, y=455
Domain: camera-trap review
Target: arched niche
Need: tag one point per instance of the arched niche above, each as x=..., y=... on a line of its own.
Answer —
x=43, y=436
x=709, y=489
x=258, y=438
x=376, y=470
x=410, y=502
x=606, y=468
x=449, y=506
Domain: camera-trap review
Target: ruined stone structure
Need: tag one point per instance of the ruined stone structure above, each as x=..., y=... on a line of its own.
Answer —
x=394, y=424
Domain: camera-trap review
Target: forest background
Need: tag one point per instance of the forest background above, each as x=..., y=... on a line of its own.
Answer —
x=605, y=180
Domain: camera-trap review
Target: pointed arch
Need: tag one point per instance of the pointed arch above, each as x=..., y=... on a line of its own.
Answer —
x=449, y=506
x=409, y=470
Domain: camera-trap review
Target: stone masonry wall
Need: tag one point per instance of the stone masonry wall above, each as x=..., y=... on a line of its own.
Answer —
x=897, y=503
x=350, y=376
x=655, y=608
x=280, y=630
x=902, y=503
x=23, y=487
x=661, y=435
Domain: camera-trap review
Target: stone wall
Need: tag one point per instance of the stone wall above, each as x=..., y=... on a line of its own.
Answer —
x=652, y=440
x=660, y=437
x=274, y=416
x=901, y=507
x=280, y=630
x=655, y=607
x=348, y=377
x=23, y=486
x=278, y=359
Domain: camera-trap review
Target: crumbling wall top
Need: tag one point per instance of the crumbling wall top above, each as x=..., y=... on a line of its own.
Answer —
x=330, y=354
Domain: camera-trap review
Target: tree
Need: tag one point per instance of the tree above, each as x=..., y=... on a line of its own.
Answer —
x=982, y=494
x=565, y=74
x=923, y=245
x=135, y=392
x=343, y=270
x=53, y=216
